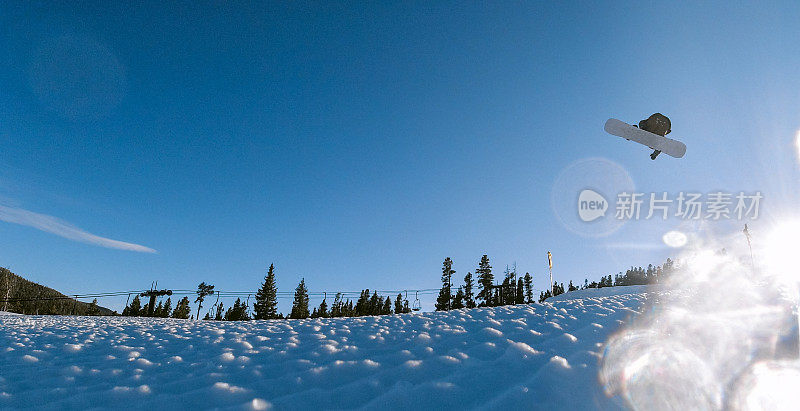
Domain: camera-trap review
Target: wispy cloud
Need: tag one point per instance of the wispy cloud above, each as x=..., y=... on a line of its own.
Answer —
x=64, y=229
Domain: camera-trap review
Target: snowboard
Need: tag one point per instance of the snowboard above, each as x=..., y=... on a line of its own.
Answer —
x=663, y=144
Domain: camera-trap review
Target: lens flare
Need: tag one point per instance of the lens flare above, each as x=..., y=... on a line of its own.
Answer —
x=675, y=239
x=770, y=385
x=779, y=253
x=797, y=144
x=700, y=338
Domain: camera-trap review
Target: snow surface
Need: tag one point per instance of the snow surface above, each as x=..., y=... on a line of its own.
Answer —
x=600, y=292
x=7, y=313
x=514, y=357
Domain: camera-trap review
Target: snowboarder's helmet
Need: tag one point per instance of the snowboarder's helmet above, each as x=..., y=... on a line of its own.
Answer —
x=657, y=124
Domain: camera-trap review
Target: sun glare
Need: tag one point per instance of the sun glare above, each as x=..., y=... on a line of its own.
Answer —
x=674, y=239
x=797, y=144
x=780, y=251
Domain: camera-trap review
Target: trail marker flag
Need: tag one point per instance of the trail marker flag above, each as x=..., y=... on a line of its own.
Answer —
x=550, y=265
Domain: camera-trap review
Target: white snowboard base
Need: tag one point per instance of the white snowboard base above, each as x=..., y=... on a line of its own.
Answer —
x=663, y=144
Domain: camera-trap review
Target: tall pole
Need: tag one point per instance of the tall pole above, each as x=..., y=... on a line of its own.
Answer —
x=515, y=282
x=550, y=265
x=750, y=246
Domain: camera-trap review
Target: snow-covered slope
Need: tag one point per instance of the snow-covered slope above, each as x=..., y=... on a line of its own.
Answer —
x=599, y=292
x=2, y=313
x=516, y=357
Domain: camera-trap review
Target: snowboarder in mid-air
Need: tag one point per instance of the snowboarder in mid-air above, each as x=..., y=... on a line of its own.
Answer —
x=656, y=124
x=650, y=132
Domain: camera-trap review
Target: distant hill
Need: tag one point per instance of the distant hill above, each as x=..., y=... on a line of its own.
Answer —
x=19, y=295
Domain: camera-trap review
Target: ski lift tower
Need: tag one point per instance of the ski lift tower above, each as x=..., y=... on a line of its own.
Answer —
x=153, y=294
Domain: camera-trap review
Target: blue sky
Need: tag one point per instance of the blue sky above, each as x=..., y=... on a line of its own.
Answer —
x=358, y=145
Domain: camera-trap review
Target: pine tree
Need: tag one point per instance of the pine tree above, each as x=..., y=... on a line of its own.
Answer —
x=363, y=303
x=166, y=310
x=218, y=316
x=458, y=300
x=444, y=300
x=134, y=308
x=266, y=305
x=469, y=296
x=520, y=294
x=241, y=312
x=375, y=304
x=666, y=270
x=387, y=307
x=336, y=308
x=527, y=281
x=238, y=312
x=230, y=314
x=485, y=281
x=158, y=309
x=398, y=304
x=300, y=303
x=203, y=290
x=182, y=309
x=323, y=309
x=508, y=287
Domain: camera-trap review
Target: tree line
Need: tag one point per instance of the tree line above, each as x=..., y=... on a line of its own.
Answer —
x=479, y=290
x=513, y=289
x=163, y=309
x=265, y=306
x=516, y=289
x=632, y=276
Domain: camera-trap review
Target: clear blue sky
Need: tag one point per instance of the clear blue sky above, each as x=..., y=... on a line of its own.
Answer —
x=359, y=144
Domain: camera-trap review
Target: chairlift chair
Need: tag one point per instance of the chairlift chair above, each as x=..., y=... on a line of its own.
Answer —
x=416, y=306
x=212, y=311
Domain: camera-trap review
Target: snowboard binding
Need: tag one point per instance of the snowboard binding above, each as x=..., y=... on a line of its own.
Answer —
x=657, y=124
